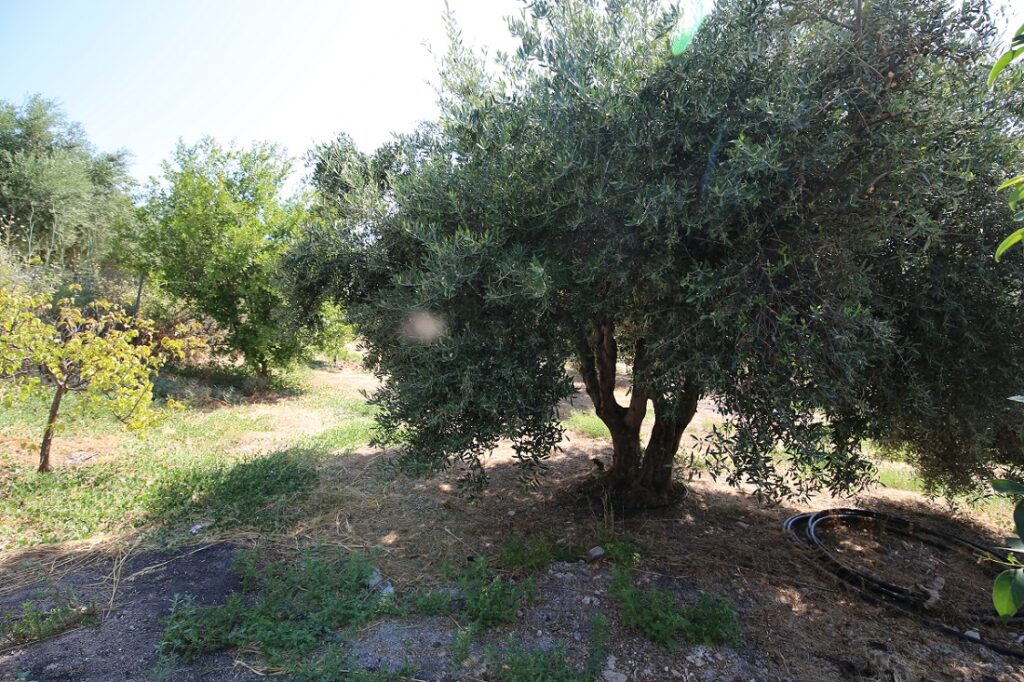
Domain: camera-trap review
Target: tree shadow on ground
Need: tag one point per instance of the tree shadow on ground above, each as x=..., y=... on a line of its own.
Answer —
x=262, y=493
x=718, y=540
x=208, y=387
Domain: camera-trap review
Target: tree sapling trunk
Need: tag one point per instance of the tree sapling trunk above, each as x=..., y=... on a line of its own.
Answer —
x=51, y=422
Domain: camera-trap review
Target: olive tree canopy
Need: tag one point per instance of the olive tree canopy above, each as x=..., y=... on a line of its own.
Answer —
x=794, y=217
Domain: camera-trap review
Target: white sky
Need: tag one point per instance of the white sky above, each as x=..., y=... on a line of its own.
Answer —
x=139, y=74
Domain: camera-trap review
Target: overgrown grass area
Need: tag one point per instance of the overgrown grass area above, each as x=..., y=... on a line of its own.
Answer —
x=291, y=613
x=199, y=466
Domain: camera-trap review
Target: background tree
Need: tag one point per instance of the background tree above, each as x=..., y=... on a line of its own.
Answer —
x=101, y=354
x=220, y=226
x=791, y=217
x=63, y=200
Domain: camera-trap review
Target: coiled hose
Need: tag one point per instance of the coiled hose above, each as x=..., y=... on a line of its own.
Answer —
x=803, y=529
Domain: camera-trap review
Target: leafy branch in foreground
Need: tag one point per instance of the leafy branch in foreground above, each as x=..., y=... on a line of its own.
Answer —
x=1015, y=185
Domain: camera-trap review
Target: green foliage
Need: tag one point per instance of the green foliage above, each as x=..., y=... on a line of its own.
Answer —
x=219, y=228
x=490, y=599
x=61, y=201
x=537, y=666
x=295, y=608
x=622, y=552
x=793, y=216
x=655, y=614
x=36, y=623
x=1008, y=588
x=536, y=551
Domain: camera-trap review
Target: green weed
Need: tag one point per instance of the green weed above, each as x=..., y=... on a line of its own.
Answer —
x=462, y=641
x=490, y=600
x=35, y=624
x=538, y=666
x=536, y=551
x=655, y=614
x=430, y=602
x=297, y=607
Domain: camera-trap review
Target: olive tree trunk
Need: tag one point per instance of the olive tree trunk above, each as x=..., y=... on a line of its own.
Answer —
x=641, y=476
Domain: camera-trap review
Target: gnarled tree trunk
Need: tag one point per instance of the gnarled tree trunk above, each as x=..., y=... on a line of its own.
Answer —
x=641, y=476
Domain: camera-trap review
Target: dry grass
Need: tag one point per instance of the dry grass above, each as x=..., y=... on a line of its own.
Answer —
x=719, y=539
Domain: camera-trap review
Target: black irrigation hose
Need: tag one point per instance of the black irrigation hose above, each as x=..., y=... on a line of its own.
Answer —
x=803, y=530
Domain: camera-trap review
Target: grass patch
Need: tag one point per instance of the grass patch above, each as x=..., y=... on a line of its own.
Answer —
x=294, y=608
x=429, y=602
x=899, y=478
x=536, y=551
x=656, y=614
x=587, y=424
x=189, y=468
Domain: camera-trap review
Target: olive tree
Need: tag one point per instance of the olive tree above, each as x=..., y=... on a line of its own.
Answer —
x=790, y=217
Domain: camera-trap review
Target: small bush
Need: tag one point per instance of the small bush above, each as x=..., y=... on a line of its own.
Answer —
x=490, y=600
x=191, y=629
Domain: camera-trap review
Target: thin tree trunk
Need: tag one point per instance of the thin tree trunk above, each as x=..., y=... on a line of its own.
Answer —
x=138, y=297
x=51, y=422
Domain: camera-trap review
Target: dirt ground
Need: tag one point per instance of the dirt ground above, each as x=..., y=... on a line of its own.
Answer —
x=797, y=623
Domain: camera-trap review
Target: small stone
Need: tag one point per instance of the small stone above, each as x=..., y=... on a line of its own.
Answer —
x=380, y=584
x=972, y=634
x=595, y=553
x=613, y=676
x=198, y=527
x=591, y=601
